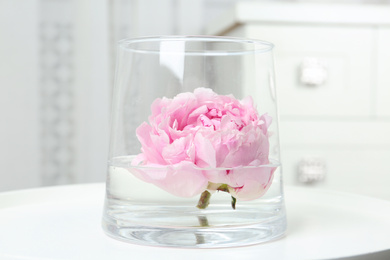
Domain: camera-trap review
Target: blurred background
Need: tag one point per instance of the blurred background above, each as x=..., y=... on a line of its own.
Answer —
x=57, y=60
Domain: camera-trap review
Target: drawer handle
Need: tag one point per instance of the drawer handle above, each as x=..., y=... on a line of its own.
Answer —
x=311, y=170
x=313, y=72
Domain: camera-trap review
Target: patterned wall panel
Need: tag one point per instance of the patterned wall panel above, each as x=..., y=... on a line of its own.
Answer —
x=64, y=137
x=57, y=91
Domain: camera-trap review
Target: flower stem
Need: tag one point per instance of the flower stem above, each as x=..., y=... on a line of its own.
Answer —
x=223, y=187
x=204, y=200
x=234, y=202
x=203, y=221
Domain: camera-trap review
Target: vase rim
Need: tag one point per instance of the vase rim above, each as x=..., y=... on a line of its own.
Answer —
x=182, y=45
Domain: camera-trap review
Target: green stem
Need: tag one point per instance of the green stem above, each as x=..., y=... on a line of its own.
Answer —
x=203, y=222
x=223, y=187
x=234, y=202
x=204, y=200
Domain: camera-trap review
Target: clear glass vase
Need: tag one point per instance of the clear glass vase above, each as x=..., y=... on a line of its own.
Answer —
x=194, y=148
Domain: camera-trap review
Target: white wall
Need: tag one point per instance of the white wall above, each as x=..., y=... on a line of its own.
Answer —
x=56, y=67
x=54, y=92
x=19, y=91
x=92, y=89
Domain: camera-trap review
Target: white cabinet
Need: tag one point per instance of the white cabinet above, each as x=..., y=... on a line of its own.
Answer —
x=333, y=79
x=349, y=168
x=383, y=72
x=354, y=153
x=342, y=57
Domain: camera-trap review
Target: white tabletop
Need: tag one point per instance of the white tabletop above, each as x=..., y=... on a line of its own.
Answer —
x=63, y=222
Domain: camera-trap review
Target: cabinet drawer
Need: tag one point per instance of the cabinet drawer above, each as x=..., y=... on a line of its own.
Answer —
x=383, y=73
x=361, y=171
x=337, y=59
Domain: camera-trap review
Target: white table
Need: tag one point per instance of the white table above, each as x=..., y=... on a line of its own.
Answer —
x=63, y=222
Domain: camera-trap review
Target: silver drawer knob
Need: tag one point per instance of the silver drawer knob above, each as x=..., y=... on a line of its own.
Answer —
x=313, y=71
x=311, y=170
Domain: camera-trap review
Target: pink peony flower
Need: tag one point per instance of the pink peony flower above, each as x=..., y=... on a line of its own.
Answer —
x=198, y=141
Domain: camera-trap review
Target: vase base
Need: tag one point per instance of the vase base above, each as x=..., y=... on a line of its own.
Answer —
x=206, y=237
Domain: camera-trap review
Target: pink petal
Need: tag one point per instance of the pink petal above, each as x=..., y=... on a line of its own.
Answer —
x=267, y=122
x=217, y=176
x=176, y=151
x=182, y=179
x=205, y=152
x=148, y=142
x=205, y=121
x=251, y=144
x=205, y=94
x=199, y=111
x=250, y=183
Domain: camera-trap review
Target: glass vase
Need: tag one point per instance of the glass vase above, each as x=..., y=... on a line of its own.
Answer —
x=194, y=147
